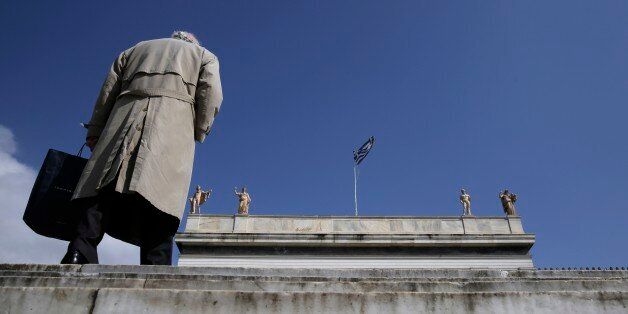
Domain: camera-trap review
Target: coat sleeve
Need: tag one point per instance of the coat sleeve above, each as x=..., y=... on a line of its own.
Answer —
x=208, y=96
x=107, y=97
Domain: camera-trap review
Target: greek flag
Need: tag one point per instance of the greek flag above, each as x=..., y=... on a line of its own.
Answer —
x=364, y=150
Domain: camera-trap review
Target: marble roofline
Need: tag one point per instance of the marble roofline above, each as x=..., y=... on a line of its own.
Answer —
x=354, y=217
x=351, y=225
x=355, y=242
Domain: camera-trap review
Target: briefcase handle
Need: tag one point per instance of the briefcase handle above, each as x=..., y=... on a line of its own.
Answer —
x=80, y=152
x=86, y=126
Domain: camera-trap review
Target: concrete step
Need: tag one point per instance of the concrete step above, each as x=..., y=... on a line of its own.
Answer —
x=117, y=300
x=191, y=276
x=305, y=274
x=462, y=281
x=295, y=285
x=165, y=289
x=313, y=286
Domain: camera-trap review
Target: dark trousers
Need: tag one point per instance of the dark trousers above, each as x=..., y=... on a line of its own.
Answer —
x=155, y=242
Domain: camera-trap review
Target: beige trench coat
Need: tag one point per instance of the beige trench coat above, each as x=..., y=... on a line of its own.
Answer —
x=158, y=97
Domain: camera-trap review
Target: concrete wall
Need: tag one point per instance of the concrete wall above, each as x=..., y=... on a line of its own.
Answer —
x=149, y=289
x=72, y=300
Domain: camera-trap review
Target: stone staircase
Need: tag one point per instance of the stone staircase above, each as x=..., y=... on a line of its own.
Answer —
x=164, y=289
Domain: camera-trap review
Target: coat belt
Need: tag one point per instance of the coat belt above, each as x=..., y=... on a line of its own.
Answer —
x=156, y=92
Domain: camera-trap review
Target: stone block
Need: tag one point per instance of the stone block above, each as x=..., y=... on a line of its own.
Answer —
x=515, y=225
x=215, y=224
x=493, y=226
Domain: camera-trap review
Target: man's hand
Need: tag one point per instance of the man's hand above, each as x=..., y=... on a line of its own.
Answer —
x=91, y=142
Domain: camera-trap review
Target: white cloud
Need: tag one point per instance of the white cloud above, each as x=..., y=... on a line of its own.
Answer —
x=18, y=243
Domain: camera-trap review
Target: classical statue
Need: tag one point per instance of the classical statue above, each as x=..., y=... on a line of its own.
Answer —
x=198, y=198
x=508, y=202
x=465, y=199
x=245, y=200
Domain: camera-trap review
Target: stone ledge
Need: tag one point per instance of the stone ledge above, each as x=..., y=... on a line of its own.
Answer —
x=353, y=225
x=359, y=262
x=313, y=285
x=115, y=300
x=352, y=240
x=137, y=271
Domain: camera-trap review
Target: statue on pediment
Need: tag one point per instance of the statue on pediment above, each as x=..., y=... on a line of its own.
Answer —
x=244, y=199
x=198, y=198
x=465, y=199
x=508, y=202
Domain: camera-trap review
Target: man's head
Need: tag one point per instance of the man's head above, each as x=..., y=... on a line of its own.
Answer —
x=185, y=36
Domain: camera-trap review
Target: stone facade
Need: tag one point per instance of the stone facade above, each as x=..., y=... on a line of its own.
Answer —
x=352, y=242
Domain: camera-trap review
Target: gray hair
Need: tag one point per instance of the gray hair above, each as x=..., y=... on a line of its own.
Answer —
x=185, y=36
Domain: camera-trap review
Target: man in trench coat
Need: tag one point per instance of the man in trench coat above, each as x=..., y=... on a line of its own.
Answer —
x=158, y=98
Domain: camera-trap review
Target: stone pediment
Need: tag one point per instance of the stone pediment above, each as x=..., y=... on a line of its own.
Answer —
x=355, y=242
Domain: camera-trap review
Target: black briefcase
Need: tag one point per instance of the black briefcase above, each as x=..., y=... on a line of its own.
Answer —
x=49, y=211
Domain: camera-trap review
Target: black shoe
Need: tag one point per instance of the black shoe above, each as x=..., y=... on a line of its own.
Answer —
x=74, y=257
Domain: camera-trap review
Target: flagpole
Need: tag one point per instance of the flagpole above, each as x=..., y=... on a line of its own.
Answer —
x=355, y=188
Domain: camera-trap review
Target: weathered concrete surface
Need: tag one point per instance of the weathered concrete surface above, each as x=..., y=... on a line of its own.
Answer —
x=161, y=289
x=71, y=300
x=46, y=300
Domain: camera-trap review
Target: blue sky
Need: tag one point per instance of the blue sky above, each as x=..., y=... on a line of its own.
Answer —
x=486, y=95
